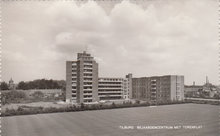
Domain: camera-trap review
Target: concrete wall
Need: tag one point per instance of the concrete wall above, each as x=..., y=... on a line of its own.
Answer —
x=80, y=81
x=177, y=87
x=129, y=79
x=68, y=81
x=95, y=82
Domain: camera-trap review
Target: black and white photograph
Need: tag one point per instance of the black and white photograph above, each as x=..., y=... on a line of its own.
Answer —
x=109, y=67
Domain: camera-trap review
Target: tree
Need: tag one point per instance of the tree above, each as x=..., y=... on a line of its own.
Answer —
x=22, y=85
x=42, y=84
x=4, y=86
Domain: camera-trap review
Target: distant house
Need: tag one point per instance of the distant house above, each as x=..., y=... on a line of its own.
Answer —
x=207, y=90
x=192, y=90
x=210, y=89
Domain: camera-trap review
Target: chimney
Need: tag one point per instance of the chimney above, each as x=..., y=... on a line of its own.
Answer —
x=207, y=80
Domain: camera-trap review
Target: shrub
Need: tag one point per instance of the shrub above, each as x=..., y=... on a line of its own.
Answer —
x=137, y=101
x=82, y=106
x=25, y=110
x=113, y=105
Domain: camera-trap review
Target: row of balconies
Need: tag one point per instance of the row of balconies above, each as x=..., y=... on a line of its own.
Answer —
x=87, y=66
x=87, y=98
x=74, y=67
x=88, y=89
x=110, y=95
x=153, y=88
x=73, y=87
x=87, y=79
x=87, y=72
x=87, y=83
x=110, y=82
x=74, y=71
x=86, y=61
x=74, y=79
x=106, y=92
x=110, y=88
x=102, y=86
x=74, y=95
x=85, y=91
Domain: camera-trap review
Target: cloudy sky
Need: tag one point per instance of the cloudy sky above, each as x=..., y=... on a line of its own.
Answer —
x=147, y=38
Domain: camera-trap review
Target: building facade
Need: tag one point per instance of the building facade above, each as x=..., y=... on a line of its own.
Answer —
x=115, y=88
x=111, y=88
x=158, y=88
x=82, y=79
x=84, y=86
x=192, y=90
x=128, y=90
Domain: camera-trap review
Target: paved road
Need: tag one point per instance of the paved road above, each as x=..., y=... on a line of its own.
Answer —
x=107, y=122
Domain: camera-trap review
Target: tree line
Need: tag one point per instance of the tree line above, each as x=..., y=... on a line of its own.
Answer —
x=4, y=86
x=37, y=84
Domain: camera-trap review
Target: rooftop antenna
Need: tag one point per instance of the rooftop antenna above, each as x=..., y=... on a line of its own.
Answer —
x=85, y=48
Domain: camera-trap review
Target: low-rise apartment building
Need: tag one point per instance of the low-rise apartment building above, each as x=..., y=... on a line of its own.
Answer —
x=158, y=88
x=115, y=88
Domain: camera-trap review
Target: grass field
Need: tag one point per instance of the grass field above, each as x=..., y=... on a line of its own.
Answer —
x=108, y=122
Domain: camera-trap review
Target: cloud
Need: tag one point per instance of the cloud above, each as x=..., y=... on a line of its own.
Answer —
x=152, y=38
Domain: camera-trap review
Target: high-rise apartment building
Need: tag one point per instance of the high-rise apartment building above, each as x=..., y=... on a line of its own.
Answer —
x=158, y=88
x=84, y=86
x=82, y=79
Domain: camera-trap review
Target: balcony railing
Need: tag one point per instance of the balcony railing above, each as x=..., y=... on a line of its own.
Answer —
x=89, y=94
x=87, y=98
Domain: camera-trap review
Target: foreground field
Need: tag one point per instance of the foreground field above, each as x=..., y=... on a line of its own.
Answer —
x=205, y=119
